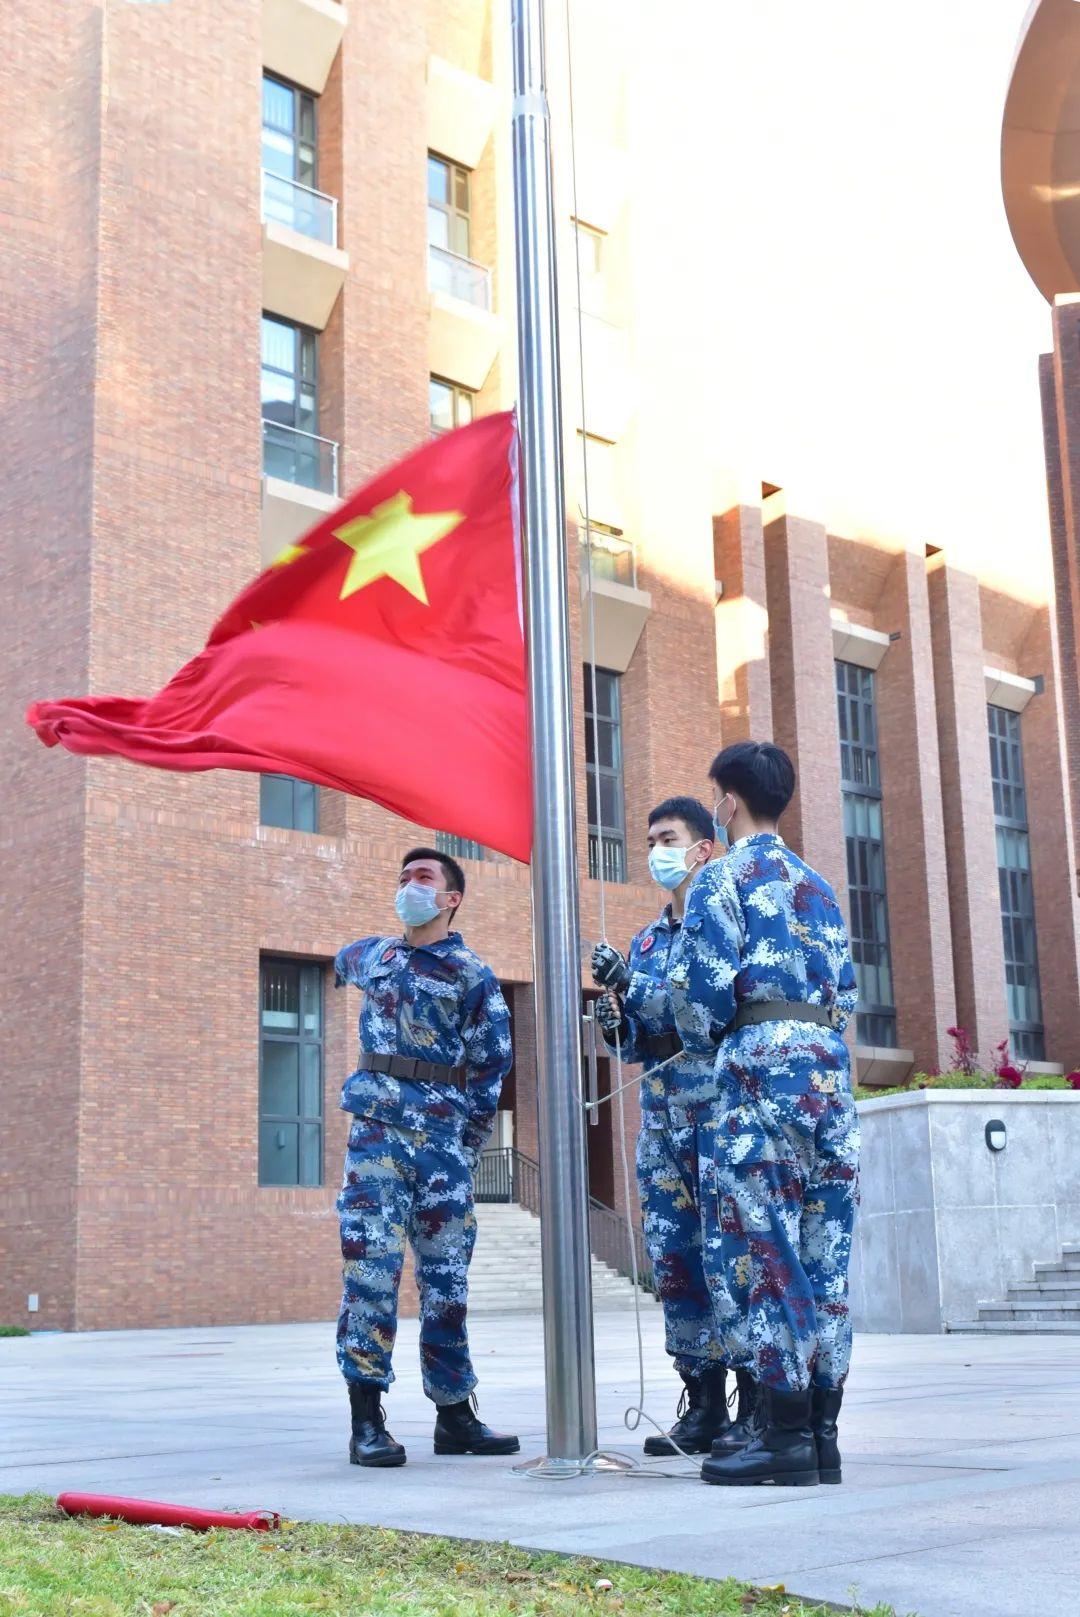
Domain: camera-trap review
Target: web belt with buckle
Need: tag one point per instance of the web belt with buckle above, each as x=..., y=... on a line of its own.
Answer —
x=751, y=1012
x=418, y=1072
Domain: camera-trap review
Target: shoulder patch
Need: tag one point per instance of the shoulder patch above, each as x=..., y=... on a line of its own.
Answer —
x=387, y=954
x=647, y=942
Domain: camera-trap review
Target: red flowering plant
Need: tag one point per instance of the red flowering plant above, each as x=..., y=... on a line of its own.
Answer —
x=1073, y=1080
x=1008, y=1076
x=965, y=1058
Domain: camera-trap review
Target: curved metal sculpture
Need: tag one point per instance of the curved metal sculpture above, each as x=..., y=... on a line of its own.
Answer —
x=1040, y=147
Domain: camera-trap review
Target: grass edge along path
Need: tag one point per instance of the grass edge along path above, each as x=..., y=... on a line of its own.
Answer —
x=50, y=1565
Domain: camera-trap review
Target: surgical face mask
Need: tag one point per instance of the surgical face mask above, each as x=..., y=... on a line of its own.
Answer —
x=415, y=904
x=668, y=867
x=721, y=826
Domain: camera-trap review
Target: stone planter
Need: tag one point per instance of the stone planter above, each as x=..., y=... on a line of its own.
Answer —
x=946, y=1222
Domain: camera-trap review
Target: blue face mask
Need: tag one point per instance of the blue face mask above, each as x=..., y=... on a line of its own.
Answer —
x=667, y=866
x=723, y=841
x=415, y=904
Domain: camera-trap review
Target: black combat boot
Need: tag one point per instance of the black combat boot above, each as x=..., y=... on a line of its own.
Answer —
x=370, y=1443
x=825, y=1407
x=782, y=1450
x=702, y=1415
x=743, y=1427
x=459, y=1430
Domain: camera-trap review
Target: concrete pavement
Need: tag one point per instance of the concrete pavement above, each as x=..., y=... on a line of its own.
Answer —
x=961, y=1457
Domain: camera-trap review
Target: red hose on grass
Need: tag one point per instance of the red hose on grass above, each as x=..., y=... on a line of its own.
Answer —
x=148, y=1512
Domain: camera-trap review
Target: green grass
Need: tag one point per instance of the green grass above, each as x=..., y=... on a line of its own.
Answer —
x=960, y=1080
x=51, y=1566
x=13, y=1330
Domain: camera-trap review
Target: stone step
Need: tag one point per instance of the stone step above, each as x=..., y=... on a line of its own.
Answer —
x=1019, y=1327
x=1066, y=1290
x=1030, y=1311
x=1068, y=1268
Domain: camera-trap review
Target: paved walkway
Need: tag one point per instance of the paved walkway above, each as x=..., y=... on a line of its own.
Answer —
x=961, y=1454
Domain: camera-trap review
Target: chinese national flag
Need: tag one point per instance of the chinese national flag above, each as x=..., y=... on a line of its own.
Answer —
x=381, y=655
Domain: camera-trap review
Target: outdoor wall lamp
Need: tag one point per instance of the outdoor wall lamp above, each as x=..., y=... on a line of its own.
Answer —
x=995, y=1134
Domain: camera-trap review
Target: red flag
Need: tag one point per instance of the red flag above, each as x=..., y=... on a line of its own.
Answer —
x=381, y=655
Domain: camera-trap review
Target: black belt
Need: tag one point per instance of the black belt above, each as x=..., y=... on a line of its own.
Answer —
x=662, y=1045
x=753, y=1011
x=419, y=1072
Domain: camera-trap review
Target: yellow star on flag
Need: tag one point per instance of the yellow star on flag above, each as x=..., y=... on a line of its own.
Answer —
x=290, y=553
x=390, y=542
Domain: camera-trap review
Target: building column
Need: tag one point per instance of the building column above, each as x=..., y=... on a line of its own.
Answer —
x=1053, y=850
x=742, y=626
x=803, y=687
x=1059, y=372
x=916, y=873
x=968, y=804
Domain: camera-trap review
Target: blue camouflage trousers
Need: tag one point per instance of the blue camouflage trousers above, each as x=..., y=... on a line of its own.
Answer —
x=787, y=1174
x=668, y=1173
x=405, y=1185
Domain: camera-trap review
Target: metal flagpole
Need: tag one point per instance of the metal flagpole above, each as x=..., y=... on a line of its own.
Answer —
x=564, y=1205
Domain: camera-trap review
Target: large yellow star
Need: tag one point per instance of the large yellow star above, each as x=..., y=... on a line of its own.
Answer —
x=390, y=542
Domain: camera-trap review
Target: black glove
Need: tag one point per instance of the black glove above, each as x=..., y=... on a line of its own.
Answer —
x=609, y=968
x=610, y=1017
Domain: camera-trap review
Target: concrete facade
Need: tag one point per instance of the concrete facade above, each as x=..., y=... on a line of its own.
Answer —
x=945, y=1223
x=138, y=905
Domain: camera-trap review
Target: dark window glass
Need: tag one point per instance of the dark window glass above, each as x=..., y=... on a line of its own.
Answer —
x=290, y=1074
x=290, y=404
x=448, y=206
x=604, y=777
x=288, y=131
x=1016, y=891
x=287, y=802
x=460, y=847
x=449, y=406
x=860, y=780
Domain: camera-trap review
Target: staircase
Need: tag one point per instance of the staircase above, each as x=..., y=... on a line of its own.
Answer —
x=504, y=1276
x=1049, y=1305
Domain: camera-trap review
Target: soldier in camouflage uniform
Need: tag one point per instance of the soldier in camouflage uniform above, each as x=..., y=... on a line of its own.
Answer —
x=676, y=1137
x=763, y=961
x=434, y=1050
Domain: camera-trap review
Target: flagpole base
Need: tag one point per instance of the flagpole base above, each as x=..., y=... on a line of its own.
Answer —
x=550, y=1468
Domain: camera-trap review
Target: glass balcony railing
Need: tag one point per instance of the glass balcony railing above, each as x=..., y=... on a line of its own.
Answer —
x=612, y=556
x=287, y=202
x=300, y=457
x=458, y=277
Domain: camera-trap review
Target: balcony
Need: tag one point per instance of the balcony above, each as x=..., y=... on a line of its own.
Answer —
x=617, y=611
x=303, y=267
x=300, y=485
x=463, y=334
x=301, y=39
x=612, y=558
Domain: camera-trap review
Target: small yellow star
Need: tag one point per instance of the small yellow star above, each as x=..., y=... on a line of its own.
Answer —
x=389, y=544
x=290, y=553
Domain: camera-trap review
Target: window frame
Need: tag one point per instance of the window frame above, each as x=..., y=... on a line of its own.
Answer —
x=315, y=973
x=294, y=781
x=301, y=98
x=457, y=395
x=1027, y=1035
x=605, y=839
x=860, y=781
x=301, y=335
x=456, y=215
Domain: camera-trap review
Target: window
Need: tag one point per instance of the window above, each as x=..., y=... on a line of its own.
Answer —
x=860, y=781
x=459, y=847
x=290, y=1074
x=288, y=131
x=291, y=449
x=449, y=406
x=289, y=803
x=448, y=206
x=1014, y=881
x=604, y=777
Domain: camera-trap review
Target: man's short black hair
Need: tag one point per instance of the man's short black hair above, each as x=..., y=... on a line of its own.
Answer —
x=455, y=876
x=763, y=776
x=694, y=815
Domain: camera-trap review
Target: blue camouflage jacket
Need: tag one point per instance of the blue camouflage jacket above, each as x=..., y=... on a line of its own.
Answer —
x=762, y=925
x=688, y=1079
x=438, y=1002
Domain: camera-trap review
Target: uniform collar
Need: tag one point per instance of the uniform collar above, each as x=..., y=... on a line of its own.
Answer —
x=759, y=839
x=452, y=940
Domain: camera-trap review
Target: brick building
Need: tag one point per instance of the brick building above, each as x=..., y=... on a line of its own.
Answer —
x=258, y=251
